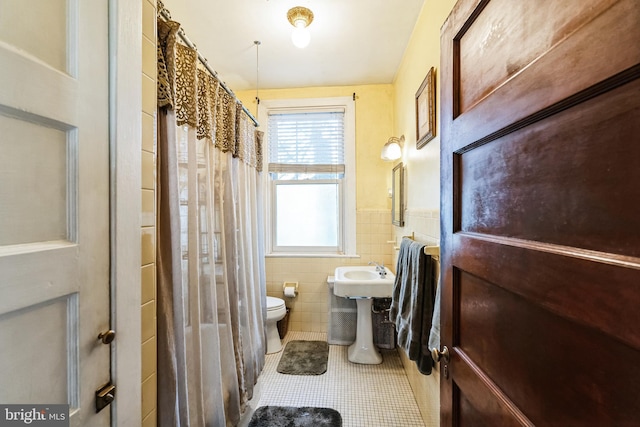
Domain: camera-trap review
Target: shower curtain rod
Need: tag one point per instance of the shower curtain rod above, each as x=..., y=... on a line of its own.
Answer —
x=167, y=15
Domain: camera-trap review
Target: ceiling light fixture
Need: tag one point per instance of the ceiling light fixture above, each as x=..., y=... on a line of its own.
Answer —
x=392, y=150
x=300, y=17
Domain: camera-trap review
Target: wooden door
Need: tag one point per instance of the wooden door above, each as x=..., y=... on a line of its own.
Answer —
x=54, y=204
x=541, y=213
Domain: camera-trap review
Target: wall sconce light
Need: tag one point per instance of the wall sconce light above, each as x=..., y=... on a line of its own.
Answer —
x=392, y=150
x=300, y=17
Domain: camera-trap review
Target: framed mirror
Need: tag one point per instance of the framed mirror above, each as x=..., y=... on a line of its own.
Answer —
x=397, y=195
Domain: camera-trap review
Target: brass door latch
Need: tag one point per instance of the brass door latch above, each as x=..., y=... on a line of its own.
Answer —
x=104, y=396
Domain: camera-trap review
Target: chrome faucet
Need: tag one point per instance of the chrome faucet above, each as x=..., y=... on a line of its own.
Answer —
x=379, y=268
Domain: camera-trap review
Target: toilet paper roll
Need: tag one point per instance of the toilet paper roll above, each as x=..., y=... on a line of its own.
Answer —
x=290, y=291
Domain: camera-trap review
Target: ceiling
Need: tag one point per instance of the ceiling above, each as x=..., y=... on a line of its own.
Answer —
x=353, y=42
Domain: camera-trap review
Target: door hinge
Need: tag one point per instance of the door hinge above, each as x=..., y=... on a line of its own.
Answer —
x=104, y=396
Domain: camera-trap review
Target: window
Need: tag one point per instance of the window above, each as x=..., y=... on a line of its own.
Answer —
x=310, y=176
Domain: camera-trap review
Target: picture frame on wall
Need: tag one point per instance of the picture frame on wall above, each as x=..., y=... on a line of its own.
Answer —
x=426, y=110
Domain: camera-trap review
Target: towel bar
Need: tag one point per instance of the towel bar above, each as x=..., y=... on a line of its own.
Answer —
x=434, y=251
x=412, y=237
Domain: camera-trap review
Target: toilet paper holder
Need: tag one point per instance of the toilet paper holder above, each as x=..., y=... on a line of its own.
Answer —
x=290, y=289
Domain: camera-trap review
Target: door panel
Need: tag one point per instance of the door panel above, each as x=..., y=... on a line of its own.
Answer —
x=54, y=204
x=28, y=219
x=603, y=292
x=26, y=331
x=472, y=408
x=50, y=17
x=499, y=197
x=556, y=362
x=573, y=64
x=540, y=213
x=514, y=36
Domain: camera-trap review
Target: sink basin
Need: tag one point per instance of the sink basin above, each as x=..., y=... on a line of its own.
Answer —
x=362, y=282
x=361, y=275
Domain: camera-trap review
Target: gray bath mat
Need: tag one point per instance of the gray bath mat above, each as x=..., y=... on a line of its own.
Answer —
x=304, y=358
x=287, y=416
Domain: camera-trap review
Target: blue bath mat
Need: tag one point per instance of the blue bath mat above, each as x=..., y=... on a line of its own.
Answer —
x=289, y=416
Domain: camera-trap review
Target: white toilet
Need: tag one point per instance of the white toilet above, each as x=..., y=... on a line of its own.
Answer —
x=276, y=310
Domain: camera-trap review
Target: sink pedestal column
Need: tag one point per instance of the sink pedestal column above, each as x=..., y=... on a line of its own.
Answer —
x=363, y=350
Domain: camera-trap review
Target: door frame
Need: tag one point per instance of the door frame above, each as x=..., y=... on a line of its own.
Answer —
x=125, y=135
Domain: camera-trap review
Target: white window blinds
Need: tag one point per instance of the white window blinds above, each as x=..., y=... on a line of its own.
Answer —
x=306, y=142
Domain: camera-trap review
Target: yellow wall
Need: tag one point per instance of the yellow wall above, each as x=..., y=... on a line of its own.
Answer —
x=374, y=125
x=423, y=167
x=423, y=52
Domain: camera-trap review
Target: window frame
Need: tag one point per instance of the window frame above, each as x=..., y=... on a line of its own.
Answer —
x=347, y=223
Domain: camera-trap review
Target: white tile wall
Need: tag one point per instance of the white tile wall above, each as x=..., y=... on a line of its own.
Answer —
x=309, y=310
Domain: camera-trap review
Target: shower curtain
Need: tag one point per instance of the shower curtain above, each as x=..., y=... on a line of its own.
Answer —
x=211, y=280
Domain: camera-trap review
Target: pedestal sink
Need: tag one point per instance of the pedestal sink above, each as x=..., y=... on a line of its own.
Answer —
x=363, y=283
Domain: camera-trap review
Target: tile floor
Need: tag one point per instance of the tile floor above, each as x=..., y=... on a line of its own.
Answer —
x=365, y=395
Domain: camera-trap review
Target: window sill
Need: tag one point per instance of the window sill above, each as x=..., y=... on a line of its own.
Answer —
x=310, y=255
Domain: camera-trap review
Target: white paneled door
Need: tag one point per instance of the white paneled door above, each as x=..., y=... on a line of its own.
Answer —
x=54, y=204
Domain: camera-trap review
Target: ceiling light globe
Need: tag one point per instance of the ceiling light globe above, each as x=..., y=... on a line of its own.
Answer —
x=300, y=36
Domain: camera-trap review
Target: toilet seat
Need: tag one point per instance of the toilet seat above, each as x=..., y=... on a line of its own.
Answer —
x=274, y=303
